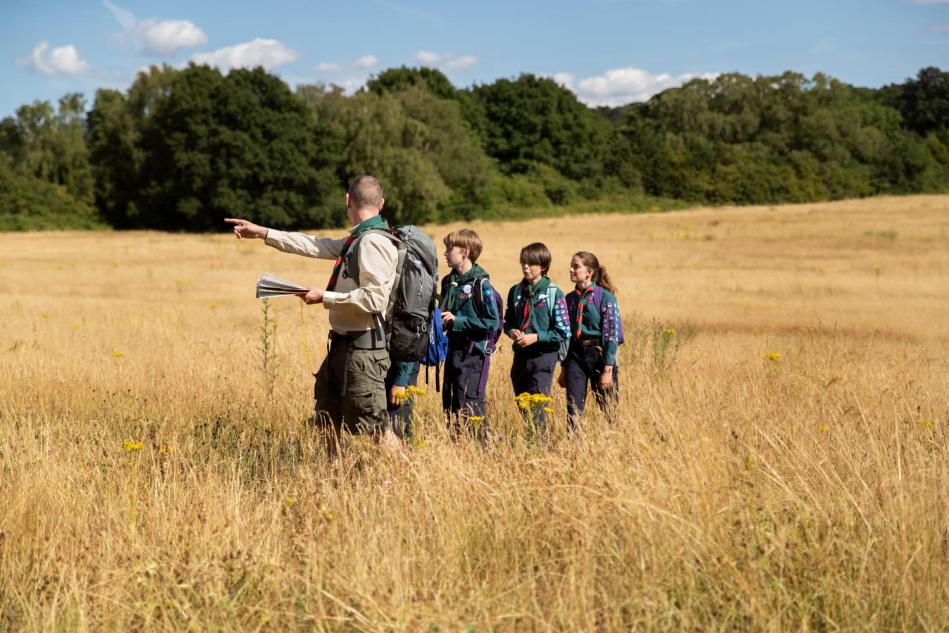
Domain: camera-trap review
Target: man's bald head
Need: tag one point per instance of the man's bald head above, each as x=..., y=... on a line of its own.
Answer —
x=365, y=192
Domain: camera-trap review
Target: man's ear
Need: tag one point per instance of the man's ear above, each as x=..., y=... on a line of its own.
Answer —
x=347, y=199
x=382, y=203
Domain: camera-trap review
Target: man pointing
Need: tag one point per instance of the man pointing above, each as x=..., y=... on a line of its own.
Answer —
x=350, y=384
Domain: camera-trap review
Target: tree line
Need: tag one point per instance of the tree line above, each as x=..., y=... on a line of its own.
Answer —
x=182, y=148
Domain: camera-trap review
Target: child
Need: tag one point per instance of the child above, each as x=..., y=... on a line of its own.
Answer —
x=596, y=331
x=471, y=316
x=401, y=376
x=536, y=320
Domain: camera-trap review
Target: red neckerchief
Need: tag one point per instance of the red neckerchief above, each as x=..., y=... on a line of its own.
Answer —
x=339, y=263
x=528, y=305
x=580, y=303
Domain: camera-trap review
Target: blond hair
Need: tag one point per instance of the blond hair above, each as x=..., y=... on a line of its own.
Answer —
x=465, y=238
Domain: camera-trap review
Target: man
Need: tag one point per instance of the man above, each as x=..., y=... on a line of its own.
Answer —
x=350, y=384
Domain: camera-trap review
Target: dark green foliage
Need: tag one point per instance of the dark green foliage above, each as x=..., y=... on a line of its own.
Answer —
x=49, y=144
x=534, y=120
x=220, y=145
x=115, y=128
x=28, y=203
x=402, y=78
x=181, y=149
x=416, y=143
x=923, y=102
x=775, y=139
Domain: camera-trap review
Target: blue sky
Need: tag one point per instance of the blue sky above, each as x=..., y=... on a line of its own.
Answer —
x=607, y=51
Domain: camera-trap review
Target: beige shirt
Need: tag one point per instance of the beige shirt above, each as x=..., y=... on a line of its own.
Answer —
x=352, y=308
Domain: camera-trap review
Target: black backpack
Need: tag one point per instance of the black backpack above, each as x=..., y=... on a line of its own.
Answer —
x=413, y=297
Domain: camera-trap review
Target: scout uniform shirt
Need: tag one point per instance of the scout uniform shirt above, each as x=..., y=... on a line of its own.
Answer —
x=586, y=322
x=532, y=315
x=353, y=308
x=470, y=327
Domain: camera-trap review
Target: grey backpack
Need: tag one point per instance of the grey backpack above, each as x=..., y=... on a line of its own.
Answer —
x=414, y=292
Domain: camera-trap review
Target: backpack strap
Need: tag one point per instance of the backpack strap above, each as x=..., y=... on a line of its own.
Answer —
x=598, y=298
x=353, y=268
x=552, y=300
x=478, y=295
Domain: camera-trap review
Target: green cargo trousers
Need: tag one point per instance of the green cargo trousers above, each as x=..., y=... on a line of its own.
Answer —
x=350, y=388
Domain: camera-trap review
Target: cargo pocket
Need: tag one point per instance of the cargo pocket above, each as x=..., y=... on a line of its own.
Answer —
x=365, y=397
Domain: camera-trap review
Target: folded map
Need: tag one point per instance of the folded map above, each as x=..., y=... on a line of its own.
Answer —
x=270, y=286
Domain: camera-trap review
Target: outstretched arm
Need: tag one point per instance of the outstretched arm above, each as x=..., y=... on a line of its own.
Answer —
x=296, y=243
x=245, y=229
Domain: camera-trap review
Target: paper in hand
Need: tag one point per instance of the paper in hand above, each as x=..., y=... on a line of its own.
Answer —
x=271, y=286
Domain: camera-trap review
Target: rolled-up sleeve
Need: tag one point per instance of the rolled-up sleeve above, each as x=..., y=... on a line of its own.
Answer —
x=306, y=245
x=376, y=259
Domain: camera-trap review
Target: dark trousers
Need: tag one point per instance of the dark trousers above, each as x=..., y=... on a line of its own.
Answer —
x=533, y=372
x=584, y=365
x=400, y=415
x=462, y=396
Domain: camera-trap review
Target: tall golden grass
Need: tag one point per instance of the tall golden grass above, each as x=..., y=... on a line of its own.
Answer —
x=778, y=460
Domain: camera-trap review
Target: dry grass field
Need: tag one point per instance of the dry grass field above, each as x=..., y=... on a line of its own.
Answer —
x=778, y=461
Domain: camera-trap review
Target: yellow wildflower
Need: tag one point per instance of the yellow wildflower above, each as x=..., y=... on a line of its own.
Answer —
x=823, y=428
x=418, y=442
x=929, y=425
x=549, y=410
x=412, y=390
x=772, y=356
x=131, y=446
x=117, y=354
x=291, y=501
x=670, y=332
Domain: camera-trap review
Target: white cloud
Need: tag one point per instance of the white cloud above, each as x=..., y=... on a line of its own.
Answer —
x=125, y=18
x=258, y=52
x=462, y=61
x=447, y=61
x=367, y=61
x=167, y=37
x=620, y=86
x=427, y=57
x=63, y=60
x=156, y=37
x=564, y=79
x=357, y=66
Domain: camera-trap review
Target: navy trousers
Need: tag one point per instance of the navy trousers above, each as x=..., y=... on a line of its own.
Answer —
x=533, y=372
x=583, y=366
x=462, y=395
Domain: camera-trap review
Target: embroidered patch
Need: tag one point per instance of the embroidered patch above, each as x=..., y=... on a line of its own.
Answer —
x=466, y=289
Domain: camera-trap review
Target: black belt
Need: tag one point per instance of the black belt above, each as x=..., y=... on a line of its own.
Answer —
x=366, y=339
x=588, y=342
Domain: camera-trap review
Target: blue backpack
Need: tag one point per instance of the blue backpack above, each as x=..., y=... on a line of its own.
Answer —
x=437, y=350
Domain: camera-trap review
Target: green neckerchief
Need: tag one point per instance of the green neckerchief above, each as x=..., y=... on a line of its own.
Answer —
x=540, y=286
x=375, y=222
x=460, y=280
